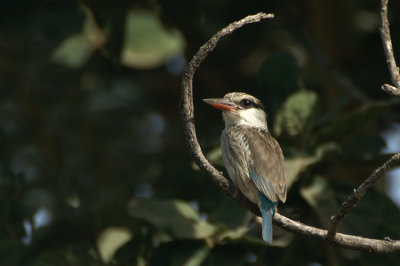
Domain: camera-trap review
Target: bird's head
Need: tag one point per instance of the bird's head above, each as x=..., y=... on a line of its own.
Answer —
x=240, y=108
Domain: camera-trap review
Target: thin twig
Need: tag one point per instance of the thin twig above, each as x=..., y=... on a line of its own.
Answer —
x=388, y=48
x=358, y=193
x=187, y=115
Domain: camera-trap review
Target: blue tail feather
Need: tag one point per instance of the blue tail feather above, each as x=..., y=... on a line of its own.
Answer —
x=267, y=211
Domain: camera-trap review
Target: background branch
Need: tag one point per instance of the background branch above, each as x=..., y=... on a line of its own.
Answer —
x=351, y=202
x=187, y=116
x=388, y=48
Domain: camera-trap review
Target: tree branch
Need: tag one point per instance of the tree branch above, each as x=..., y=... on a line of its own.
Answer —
x=341, y=240
x=187, y=109
x=358, y=193
x=394, y=89
x=187, y=116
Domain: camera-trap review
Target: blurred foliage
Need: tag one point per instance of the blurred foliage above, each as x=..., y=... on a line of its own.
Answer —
x=94, y=169
x=296, y=114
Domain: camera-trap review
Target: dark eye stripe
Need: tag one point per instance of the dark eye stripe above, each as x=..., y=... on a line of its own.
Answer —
x=258, y=106
x=247, y=103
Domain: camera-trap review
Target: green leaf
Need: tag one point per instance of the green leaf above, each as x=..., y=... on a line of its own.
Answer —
x=197, y=257
x=230, y=214
x=215, y=156
x=73, y=52
x=173, y=216
x=294, y=166
x=233, y=234
x=76, y=49
x=110, y=240
x=296, y=114
x=147, y=44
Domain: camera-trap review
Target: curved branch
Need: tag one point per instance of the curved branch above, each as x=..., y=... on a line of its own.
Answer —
x=187, y=109
x=351, y=202
x=187, y=116
x=388, y=48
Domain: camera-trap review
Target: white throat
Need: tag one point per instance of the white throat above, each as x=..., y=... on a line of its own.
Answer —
x=249, y=117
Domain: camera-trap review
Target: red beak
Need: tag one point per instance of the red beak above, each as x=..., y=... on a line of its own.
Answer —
x=221, y=104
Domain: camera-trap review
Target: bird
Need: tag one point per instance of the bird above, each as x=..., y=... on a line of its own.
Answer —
x=252, y=157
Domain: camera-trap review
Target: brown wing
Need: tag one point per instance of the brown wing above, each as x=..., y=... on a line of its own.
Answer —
x=266, y=164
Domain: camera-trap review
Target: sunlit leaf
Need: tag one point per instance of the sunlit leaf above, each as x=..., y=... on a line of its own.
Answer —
x=73, y=52
x=76, y=49
x=147, y=43
x=110, y=240
x=137, y=249
x=173, y=216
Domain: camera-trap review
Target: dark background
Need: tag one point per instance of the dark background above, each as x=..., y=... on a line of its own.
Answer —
x=93, y=164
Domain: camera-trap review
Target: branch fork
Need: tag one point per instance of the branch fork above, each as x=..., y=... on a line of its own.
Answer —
x=394, y=89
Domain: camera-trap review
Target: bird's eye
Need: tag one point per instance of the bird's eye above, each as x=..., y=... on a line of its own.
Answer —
x=246, y=102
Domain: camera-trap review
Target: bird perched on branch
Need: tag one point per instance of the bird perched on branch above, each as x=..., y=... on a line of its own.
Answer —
x=251, y=155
